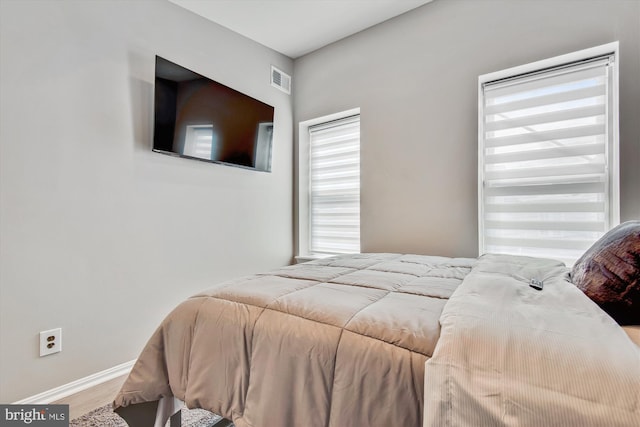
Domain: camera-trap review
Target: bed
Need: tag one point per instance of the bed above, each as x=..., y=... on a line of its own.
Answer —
x=393, y=339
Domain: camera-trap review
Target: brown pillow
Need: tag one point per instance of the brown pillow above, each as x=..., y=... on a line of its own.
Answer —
x=609, y=273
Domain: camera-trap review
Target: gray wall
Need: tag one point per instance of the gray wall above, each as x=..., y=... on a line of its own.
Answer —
x=415, y=80
x=99, y=235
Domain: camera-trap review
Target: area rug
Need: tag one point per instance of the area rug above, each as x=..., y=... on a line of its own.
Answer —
x=105, y=417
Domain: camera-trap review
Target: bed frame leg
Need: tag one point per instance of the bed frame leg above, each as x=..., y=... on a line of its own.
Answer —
x=176, y=419
x=223, y=422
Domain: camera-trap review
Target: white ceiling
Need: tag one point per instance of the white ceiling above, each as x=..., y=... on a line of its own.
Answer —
x=297, y=27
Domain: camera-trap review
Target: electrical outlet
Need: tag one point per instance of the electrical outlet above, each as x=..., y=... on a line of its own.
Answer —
x=50, y=341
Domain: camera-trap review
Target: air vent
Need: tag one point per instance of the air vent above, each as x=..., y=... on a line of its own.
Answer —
x=280, y=80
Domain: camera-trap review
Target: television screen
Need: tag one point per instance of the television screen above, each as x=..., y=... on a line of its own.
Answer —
x=198, y=118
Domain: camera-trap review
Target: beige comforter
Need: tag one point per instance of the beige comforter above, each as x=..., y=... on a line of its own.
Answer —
x=339, y=342
x=510, y=355
x=346, y=342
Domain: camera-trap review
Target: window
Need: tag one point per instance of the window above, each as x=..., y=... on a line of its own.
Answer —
x=329, y=186
x=548, y=155
x=199, y=142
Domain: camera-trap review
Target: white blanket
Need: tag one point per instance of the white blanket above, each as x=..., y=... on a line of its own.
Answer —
x=512, y=355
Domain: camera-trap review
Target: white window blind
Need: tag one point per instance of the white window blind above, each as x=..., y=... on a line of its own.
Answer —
x=334, y=182
x=199, y=142
x=546, y=160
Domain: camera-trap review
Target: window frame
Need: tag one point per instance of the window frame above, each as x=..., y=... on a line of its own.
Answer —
x=613, y=163
x=303, y=183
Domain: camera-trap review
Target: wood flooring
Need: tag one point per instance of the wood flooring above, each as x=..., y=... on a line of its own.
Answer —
x=92, y=398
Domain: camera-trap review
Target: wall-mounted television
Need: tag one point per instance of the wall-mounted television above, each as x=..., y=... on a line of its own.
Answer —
x=198, y=118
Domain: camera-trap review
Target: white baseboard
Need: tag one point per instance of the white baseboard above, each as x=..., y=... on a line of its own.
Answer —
x=77, y=386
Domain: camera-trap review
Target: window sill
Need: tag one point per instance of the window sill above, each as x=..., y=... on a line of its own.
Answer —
x=306, y=258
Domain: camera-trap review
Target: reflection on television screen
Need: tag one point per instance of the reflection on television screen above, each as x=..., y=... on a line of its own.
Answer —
x=198, y=118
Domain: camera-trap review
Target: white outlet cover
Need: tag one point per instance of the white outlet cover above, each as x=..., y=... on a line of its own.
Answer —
x=52, y=336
